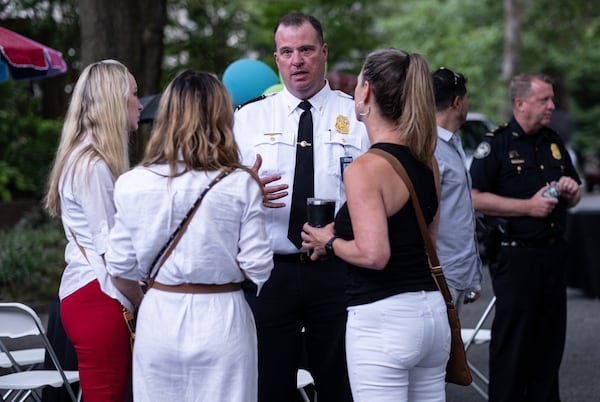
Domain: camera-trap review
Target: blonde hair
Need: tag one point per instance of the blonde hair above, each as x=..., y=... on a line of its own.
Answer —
x=403, y=91
x=97, y=113
x=194, y=125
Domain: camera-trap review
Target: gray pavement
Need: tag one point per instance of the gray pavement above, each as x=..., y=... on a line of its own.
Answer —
x=581, y=360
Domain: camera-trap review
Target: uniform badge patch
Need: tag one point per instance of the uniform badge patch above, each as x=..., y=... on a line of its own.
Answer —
x=342, y=124
x=483, y=150
x=555, y=151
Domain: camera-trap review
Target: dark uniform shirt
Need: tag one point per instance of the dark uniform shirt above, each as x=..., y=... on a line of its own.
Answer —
x=512, y=164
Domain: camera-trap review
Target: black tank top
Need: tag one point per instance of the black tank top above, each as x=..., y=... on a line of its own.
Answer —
x=407, y=270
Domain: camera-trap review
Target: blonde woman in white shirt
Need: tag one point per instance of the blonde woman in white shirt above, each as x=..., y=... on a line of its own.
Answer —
x=195, y=335
x=91, y=155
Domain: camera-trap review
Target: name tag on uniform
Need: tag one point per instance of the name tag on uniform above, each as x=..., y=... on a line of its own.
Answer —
x=344, y=162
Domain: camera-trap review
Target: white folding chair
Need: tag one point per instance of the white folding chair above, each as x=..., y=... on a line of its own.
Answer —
x=304, y=379
x=17, y=321
x=477, y=336
x=21, y=360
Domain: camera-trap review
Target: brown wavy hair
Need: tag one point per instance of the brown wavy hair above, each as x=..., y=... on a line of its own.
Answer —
x=194, y=126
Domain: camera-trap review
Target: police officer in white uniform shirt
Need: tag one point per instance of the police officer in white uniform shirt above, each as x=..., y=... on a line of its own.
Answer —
x=303, y=302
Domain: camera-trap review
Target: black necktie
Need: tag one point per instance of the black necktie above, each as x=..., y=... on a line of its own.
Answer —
x=303, y=175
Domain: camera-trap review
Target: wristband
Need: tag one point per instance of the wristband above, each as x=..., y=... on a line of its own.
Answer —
x=329, y=246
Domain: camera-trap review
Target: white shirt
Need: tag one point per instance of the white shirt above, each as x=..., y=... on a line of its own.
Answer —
x=457, y=240
x=269, y=127
x=87, y=211
x=224, y=242
x=192, y=346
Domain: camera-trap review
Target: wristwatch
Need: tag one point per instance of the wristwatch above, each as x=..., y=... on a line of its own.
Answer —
x=329, y=247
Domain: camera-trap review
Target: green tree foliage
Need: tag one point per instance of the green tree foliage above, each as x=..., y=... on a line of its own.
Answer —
x=212, y=34
x=31, y=259
x=463, y=35
x=27, y=143
x=350, y=29
x=563, y=41
x=205, y=35
x=559, y=38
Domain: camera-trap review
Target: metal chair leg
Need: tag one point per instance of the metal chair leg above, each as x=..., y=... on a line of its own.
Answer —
x=474, y=370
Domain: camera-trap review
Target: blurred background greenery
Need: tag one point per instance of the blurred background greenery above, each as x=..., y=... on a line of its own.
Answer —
x=31, y=258
x=488, y=41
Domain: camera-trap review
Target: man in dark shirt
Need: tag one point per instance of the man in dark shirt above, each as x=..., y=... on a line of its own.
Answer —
x=524, y=179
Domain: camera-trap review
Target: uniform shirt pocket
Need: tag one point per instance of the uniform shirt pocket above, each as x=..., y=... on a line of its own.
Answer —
x=276, y=149
x=521, y=174
x=340, y=146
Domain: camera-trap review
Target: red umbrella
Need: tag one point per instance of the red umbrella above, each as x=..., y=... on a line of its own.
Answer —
x=28, y=59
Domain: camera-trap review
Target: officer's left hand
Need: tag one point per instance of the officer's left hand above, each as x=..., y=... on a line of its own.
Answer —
x=274, y=192
x=315, y=239
x=472, y=297
x=569, y=190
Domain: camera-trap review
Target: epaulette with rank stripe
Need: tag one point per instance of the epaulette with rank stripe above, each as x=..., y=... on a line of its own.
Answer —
x=258, y=98
x=495, y=130
x=263, y=96
x=342, y=94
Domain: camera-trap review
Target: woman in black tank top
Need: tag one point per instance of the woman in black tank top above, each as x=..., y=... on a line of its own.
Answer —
x=397, y=333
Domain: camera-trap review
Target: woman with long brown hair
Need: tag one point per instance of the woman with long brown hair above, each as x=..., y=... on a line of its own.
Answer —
x=196, y=337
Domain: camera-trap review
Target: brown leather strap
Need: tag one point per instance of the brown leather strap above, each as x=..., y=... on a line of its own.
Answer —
x=434, y=263
x=198, y=287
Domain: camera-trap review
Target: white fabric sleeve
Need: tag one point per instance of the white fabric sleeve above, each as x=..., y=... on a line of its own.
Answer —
x=95, y=192
x=255, y=257
x=121, y=260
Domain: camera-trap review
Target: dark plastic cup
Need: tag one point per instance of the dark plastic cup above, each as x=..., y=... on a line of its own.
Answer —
x=320, y=211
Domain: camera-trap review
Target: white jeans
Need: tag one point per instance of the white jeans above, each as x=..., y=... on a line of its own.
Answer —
x=397, y=348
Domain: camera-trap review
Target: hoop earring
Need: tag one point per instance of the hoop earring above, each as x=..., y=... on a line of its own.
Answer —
x=364, y=114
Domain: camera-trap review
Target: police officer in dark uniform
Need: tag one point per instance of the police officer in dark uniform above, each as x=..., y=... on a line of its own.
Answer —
x=523, y=177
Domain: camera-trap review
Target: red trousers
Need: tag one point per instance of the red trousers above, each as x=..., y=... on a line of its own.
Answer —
x=94, y=323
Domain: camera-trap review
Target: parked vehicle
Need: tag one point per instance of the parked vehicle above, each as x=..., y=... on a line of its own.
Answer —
x=473, y=131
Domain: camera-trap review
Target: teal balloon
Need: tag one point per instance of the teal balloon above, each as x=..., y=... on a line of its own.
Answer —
x=246, y=79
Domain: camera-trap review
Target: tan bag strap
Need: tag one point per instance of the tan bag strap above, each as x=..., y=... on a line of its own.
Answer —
x=434, y=263
x=169, y=246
